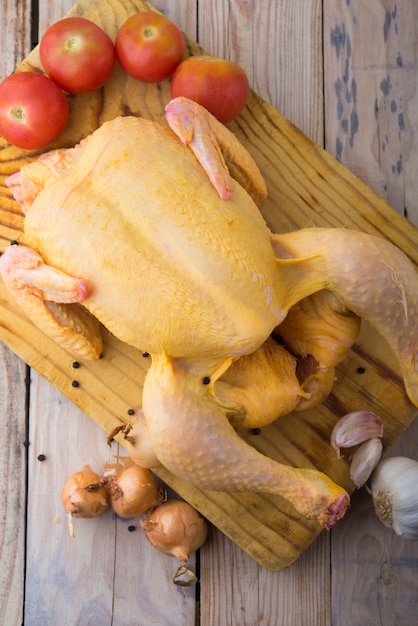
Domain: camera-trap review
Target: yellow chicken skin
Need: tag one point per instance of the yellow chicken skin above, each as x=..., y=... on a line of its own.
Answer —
x=218, y=458
x=263, y=386
x=370, y=276
x=142, y=240
x=144, y=227
x=322, y=326
x=319, y=330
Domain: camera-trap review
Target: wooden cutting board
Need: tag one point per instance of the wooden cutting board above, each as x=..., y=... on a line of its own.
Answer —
x=307, y=187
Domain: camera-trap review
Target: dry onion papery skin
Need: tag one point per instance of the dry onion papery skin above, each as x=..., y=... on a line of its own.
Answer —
x=176, y=528
x=83, y=495
x=394, y=489
x=133, y=489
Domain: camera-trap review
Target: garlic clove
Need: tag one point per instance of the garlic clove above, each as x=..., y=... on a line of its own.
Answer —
x=364, y=460
x=355, y=428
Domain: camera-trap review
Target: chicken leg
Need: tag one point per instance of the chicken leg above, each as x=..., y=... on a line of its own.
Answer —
x=193, y=439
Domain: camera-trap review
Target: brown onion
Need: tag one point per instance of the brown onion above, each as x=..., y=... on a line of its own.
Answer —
x=133, y=489
x=84, y=496
x=176, y=528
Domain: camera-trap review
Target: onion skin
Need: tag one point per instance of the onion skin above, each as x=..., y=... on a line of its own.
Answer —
x=133, y=489
x=175, y=528
x=81, y=502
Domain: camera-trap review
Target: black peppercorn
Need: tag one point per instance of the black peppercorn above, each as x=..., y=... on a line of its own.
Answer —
x=131, y=412
x=361, y=370
x=75, y=383
x=76, y=365
x=205, y=380
x=41, y=457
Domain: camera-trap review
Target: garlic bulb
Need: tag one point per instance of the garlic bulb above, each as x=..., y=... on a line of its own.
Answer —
x=394, y=489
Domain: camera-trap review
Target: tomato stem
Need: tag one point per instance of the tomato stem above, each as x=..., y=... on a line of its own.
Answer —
x=73, y=43
x=149, y=32
x=17, y=114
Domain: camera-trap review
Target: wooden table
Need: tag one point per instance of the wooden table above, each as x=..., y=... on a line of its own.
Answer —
x=346, y=73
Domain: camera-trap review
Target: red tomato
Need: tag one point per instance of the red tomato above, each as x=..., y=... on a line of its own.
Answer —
x=219, y=85
x=77, y=54
x=33, y=110
x=149, y=47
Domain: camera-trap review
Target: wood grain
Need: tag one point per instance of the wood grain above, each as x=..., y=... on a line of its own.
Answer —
x=289, y=32
x=311, y=188
x=254, y=596
x=375, y=138
x=117, y=560
x=234, y=588
x=374, y=570
x=12, y=490
x=15, y=43
x=124, y=585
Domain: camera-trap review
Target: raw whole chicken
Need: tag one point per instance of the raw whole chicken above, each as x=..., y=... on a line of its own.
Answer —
x=141, y=227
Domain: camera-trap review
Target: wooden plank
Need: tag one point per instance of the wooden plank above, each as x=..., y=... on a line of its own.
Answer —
x=373, y=570
x=183, y=14
x=280, y=45
x=63, y=584
x=372, y=100
x=146, y=572
x=49, y=578
x=259, y=590
x=312, y=187
x=251, y=595
x=12, y=486
x=107, y=574
x=15, y=40
x=102, y=575
x=49, y=13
